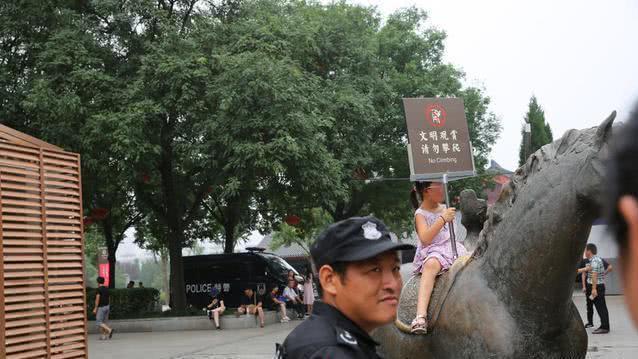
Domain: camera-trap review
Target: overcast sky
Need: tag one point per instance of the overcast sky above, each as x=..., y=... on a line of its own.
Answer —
x=580, y=58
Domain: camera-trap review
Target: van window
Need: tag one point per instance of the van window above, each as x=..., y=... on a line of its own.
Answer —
x=277, y=265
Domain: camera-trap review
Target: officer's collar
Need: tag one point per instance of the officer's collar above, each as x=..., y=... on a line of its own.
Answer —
x=333, y=314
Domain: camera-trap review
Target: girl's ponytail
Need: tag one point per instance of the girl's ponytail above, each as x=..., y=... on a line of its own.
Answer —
x=416, y=195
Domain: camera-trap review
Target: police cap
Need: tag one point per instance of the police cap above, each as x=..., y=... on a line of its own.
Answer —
x=353, y=239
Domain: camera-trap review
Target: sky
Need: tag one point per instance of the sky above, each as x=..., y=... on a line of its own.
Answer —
x=579, y=58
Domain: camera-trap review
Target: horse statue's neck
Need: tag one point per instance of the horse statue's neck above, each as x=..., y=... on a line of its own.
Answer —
x=536, y=233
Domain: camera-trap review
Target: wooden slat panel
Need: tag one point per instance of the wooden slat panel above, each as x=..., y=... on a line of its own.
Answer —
x=5, y=219
x=61, y=191
x=71, y=171
x=14, y=250
x=19, y=348
x=23, y=298
x=63, y=257
x=22, y=290
x=27, y=330
x=78, y=309
x=64, y=273
x=13, y=202
x=20, y=226
x=22, y=274
x=19, y=175
x=6, y=209
x=22, y=242
x=62, y=177
x=25, y=322
x=70, y=163
x=16, y=234
x=15, y=258
x=62, y=206
x=64, y=265
x=18, y=186
x=70, y=354
x=71, y=294
x=64, y=235
x=32, y=354
x=62, y=333
x=61, y=213
x=62, y=199
x=18, y=282
x=19, y=156
x=67, y=156
x=23, y=266
x=63, y=220
x=12, y=147
x=6, y=193
x=67, y=280
x=76, y=338
x=21, y=315
x=61, y=184
x=63, y=250
x=64, y=243
x=66, y=317
x=23, y=306
x=66, y=324
x=18, y=164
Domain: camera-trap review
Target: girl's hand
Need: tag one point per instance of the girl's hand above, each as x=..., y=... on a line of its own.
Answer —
x=449, y=214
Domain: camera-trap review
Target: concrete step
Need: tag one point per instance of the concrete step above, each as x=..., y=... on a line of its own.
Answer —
x=185, y=323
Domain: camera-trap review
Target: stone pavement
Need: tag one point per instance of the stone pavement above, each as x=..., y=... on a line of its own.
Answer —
x=258, y=343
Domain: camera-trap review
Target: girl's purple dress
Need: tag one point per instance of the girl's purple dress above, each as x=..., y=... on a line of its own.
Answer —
x=440, y=247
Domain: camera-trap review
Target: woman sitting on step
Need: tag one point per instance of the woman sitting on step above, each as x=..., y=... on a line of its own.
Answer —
x=434, y=253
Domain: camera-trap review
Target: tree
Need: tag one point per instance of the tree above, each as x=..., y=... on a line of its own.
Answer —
x=311, y=223
x=541, y=132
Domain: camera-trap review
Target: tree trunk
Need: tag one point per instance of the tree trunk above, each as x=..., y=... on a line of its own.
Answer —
x=229, y=238
x=177, y=291
x=165, y=274
x=111, y=246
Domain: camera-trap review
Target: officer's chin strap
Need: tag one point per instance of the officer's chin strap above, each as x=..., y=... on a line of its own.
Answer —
x=450, y=225
x=280, y=352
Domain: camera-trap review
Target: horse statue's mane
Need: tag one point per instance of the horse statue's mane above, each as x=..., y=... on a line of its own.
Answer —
x=573, y=141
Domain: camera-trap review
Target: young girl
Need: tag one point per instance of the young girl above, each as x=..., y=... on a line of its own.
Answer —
x=308, y=292
x=434, y=253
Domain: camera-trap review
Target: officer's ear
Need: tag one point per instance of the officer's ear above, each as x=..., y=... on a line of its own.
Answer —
x=328, y=278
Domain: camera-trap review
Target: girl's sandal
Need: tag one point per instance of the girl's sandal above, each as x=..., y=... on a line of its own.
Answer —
x=419, y=325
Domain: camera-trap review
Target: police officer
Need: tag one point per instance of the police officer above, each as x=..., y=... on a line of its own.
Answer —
x=358, y=271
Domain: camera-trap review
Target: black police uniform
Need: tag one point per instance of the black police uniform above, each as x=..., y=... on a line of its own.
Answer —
x=328, y=334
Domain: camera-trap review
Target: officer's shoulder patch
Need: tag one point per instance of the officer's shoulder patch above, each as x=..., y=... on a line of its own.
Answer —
x=344, y=337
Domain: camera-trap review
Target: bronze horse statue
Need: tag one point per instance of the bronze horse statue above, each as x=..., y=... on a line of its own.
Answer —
x=512, y=298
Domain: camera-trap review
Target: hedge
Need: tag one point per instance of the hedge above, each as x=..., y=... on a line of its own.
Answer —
x=127, y=303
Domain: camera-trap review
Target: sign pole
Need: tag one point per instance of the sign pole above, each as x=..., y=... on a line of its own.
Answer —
x=450, y=225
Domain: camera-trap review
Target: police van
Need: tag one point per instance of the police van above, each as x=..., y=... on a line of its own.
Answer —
x=231, y=273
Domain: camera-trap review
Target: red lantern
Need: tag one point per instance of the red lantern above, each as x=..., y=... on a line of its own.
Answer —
x=88, y=221
x=146, y=178
x=99, y=213
x=292, y=220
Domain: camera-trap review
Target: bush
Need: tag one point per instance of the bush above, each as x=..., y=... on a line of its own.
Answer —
x=127, y=303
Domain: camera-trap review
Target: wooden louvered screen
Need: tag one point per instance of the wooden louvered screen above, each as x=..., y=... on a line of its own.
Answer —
x=42, y=304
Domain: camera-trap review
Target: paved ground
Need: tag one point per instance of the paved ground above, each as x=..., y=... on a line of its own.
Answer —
x=258, y=343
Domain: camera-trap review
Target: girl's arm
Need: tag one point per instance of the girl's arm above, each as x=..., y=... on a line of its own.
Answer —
x=427, y=233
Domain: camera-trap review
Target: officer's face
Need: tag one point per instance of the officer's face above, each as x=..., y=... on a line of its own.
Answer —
x=628, y=207
x=369, y=292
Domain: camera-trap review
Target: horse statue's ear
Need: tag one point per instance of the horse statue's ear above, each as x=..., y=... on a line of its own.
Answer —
x=604, y=130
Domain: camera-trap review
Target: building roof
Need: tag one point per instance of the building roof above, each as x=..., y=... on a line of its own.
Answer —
x=495, y=168
x=294, y=250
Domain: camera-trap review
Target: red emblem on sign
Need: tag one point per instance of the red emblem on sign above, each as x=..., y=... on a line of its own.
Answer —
x=435, y=114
